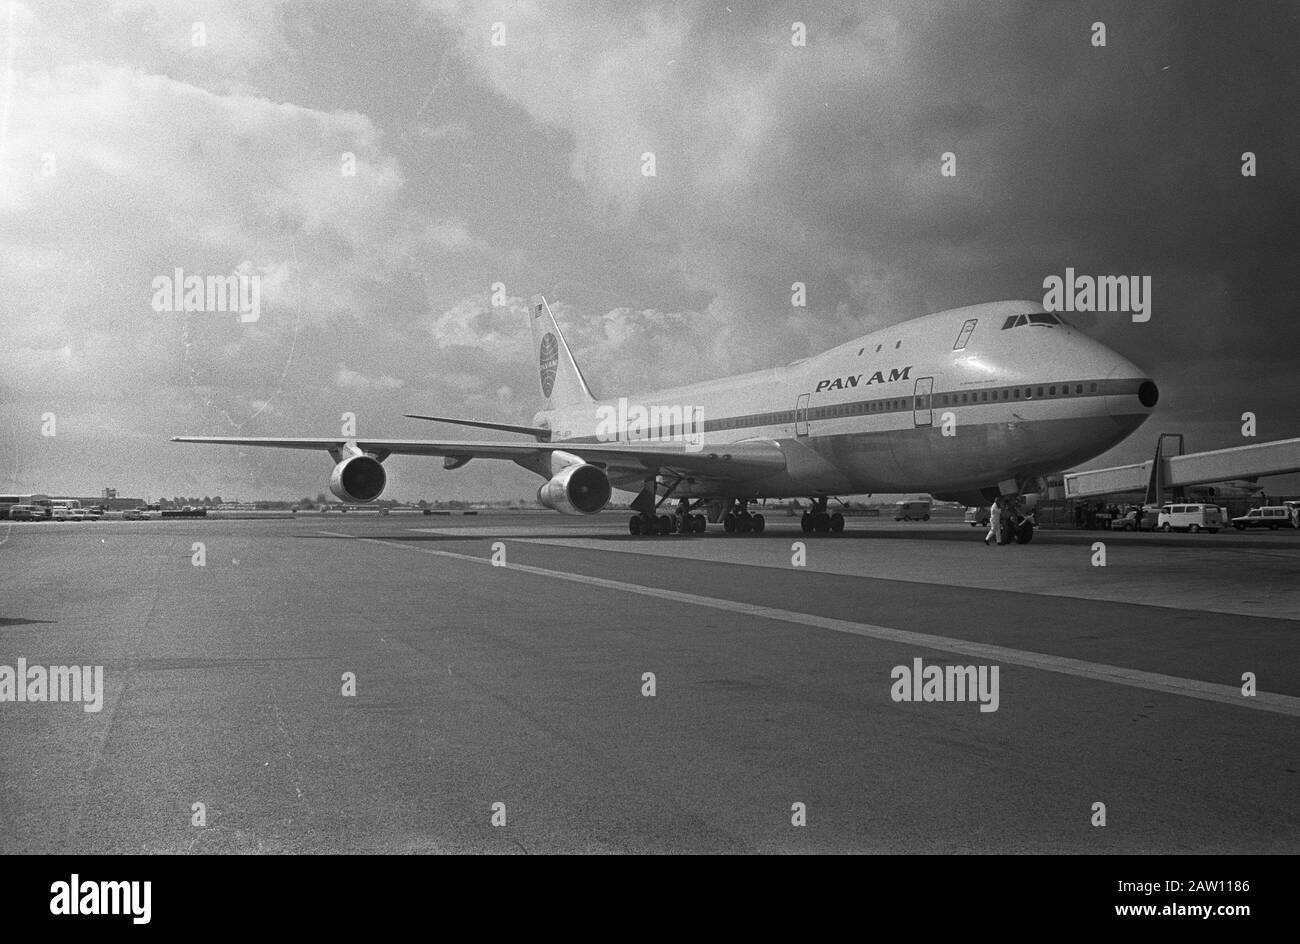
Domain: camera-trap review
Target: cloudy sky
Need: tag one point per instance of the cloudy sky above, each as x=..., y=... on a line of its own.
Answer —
x=142, y=136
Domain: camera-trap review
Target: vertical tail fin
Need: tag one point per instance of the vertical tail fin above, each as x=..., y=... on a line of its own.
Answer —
x=562, y=382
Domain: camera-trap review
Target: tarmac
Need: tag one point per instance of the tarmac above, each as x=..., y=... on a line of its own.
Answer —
x=503, y=704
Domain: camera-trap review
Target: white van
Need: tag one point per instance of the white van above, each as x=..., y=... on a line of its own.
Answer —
x=1191, y=518
x=24, y=513
x=912, y=511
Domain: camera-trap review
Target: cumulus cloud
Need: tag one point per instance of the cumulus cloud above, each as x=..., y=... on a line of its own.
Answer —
x=521, y=165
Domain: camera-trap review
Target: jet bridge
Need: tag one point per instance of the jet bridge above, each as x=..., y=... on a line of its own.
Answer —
x=1164, y=470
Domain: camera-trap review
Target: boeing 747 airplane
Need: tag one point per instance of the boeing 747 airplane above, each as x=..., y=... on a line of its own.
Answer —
x=966, y=405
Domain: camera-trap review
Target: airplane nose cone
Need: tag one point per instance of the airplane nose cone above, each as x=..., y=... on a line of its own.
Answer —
x=1129, y=394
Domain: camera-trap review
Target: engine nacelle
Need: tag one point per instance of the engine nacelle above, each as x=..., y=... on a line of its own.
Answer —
x=358, y=479
x=579, y=489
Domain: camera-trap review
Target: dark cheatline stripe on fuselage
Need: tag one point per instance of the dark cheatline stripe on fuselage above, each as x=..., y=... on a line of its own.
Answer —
x=906, y=403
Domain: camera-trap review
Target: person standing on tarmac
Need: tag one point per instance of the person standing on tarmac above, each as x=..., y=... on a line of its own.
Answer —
x=995, y=522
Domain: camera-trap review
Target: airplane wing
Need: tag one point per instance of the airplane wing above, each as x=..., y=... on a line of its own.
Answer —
x=541, y=432
x=733, y=460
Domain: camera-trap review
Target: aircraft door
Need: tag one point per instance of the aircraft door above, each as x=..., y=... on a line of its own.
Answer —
x=922, y=414
x=801, y=415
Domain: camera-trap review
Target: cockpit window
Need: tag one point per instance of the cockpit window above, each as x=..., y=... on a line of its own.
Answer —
x=1034, y=318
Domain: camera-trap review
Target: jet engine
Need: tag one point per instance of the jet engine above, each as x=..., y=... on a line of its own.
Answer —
x=358, y=479
x=579, y=489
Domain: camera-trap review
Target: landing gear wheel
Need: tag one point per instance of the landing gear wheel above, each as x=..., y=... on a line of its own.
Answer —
x=664, y=524
x=806, y=523
x=699, y=523
x=744, y=522
x=758, y=523
x=1024, y=532
x=729, y=523
x=822, y=522
x=634, y=525
x=649, y=526
x=837, y=523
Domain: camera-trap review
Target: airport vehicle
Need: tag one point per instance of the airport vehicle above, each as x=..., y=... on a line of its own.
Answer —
x=24, y=513
x=1293, y=509
x=1029, y=394
x=8, y=501
x=912, y=511
x=76, y=514
x=135, y=514
x=977, y=516
x=1190, y=518
x=60, y=513
x=1144, y=519
x=1267, y=516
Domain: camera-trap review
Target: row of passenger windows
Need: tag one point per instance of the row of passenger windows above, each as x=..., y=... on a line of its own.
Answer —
x=887, y=406
x=1016, y=393
x=853, y=409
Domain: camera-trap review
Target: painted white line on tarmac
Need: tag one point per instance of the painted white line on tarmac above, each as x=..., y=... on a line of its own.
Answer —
x=1097, y=671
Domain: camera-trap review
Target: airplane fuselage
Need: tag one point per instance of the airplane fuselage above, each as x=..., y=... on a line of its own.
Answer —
x=950, y=403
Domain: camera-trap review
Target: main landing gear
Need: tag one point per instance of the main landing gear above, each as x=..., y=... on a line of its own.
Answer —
x=739, y=520
x=818, y=521
x=681, y=522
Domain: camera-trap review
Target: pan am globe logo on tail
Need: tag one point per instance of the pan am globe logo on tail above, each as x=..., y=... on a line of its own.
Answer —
x=548, y=361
